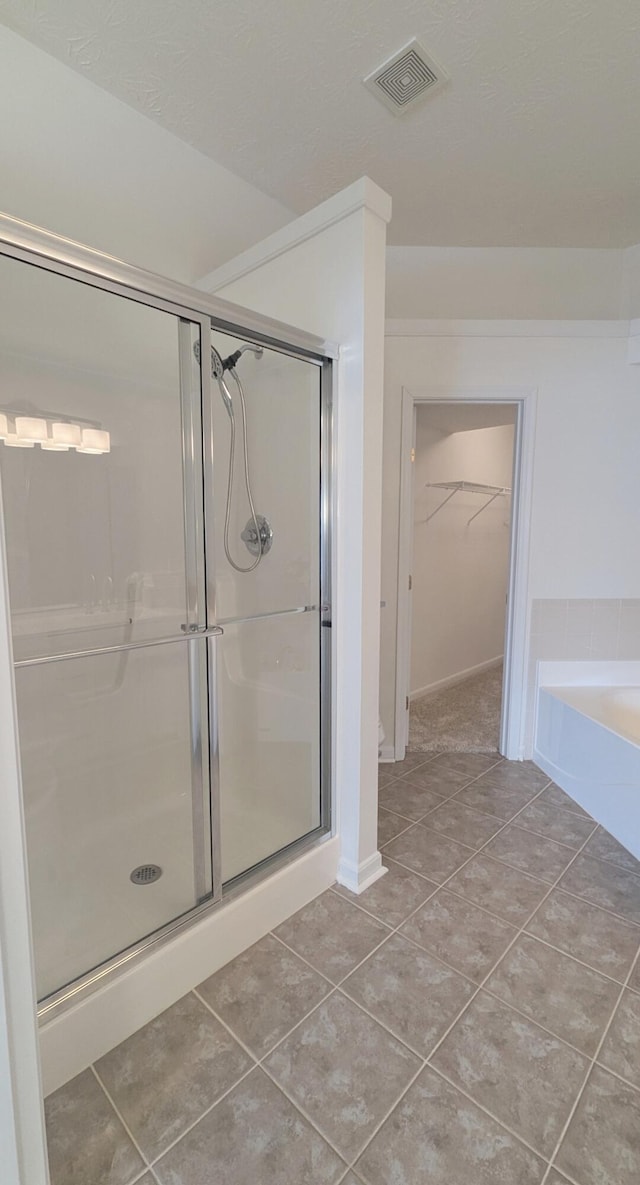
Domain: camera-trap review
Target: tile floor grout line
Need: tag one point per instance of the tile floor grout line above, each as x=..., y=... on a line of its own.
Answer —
x=474, y=853
x=438, y=958
x=399, y=833
x=593, y=1061
x=486, y=815
x=426, y=1064
x=272, y=1048
x=620, y=917
x=387, y=1115
x=383, y=1024
x=399, y=814
x=534, y=795
x=551, y=838
x=407, y=777
x=458, y=790
x=504, y=954
x=485, y=1110
x=478, y=851
x=611, y=863
x=532, y=1021
x=522, y=826
x=282, y=942
x=374, y=917
x=312, y=1122
x=141, y=1176
x=195, y=1122
x=568, y=955
x=216, y=1016
x=497, y=860
x=125, y=1125
x=356, y=966
x=615, y=1073
x=336, y=988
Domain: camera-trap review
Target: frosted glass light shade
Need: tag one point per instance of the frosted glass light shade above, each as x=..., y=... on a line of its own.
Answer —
x=4, y=426
x=94, y=440
x=51, y=447
x=13, y=441
x=69, y=435
x=31, y=429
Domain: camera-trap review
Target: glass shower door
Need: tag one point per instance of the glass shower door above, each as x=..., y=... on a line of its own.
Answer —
x=271, y=716
x=101, y=473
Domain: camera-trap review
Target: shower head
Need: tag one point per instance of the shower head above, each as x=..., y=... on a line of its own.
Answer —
x=217, y=365
x=220, y=364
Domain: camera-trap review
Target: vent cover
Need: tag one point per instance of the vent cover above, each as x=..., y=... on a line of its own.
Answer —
x=405, y=78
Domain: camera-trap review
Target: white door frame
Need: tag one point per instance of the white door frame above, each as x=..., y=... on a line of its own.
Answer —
x=512, y=725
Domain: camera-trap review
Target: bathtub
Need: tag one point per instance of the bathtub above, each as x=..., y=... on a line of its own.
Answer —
x=587, y=739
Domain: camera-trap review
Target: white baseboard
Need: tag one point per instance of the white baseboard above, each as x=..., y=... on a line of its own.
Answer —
x=358, y=877
x=74, y=1040
x=387, y=753
x=459, y=677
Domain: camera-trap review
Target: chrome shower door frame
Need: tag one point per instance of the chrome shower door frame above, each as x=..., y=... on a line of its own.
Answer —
x=302, y=347
x=39, y=248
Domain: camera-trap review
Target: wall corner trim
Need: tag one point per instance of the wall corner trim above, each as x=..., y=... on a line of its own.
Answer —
x=358, y=877
x=408, y=327
x=362, y=195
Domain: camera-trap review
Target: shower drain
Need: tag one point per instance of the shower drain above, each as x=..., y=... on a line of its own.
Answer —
x=146, y=874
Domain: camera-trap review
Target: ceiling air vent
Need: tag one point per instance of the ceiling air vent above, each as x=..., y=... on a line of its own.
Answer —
x=405, y=78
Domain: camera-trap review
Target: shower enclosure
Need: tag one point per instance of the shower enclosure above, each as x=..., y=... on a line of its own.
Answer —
x=172, y=691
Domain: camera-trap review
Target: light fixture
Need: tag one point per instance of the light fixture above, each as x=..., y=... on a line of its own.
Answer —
x=56, y=436
x=31, y=429
x=94, y=440
x=66, y=435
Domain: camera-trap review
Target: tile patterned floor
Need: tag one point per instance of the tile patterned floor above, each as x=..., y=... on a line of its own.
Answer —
x=474, y=1016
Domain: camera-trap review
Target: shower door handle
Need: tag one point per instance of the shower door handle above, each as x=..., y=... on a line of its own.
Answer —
x=190, y=633
x=202, y=631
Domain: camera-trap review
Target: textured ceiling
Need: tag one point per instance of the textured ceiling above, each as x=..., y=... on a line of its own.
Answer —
x=534, y=142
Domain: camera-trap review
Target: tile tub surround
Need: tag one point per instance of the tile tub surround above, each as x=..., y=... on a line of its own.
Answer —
x=459, y=986
x=582, y=630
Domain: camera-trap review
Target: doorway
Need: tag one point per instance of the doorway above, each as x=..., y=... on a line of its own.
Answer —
x=461, y=580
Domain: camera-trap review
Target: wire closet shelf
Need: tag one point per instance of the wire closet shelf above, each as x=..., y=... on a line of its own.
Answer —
x=468, y=487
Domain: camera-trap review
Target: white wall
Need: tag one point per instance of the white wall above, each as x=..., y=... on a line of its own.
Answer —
x=77, y=161
x=460, y=572
x=586, y=480
x=519, y=283
x=325, y=274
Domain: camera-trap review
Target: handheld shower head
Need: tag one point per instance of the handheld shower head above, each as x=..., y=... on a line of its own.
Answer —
x=217, y=372
x=220, y=364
